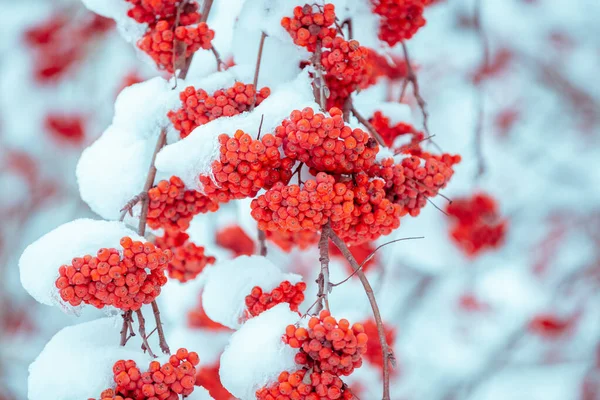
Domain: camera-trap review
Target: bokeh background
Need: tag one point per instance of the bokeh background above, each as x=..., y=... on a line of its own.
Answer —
x=518, y=322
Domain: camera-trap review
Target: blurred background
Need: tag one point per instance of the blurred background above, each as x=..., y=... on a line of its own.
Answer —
x=511, y=85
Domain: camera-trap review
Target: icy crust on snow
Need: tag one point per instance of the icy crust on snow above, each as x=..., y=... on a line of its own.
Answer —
x=113, y=169
x=41, y=260
x=256, y=355
x=77, y=362
x=228, y=283
x=194, y=155
x=117, y=10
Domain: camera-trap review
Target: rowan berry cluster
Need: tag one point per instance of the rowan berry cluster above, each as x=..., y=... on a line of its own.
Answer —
x=172, y=207
x=124, y=280
x=328, y=345
x=245, y=165
x=197, y=318
x=389, y=133
x=209, y=378
x=188, y=259
x=171, y=23
x=198, y=107
x=161, y=382
x=326, y=143
x=477, y=224
x=235, y=239
x=300, y=386
x=374, y=351
x=258, y=301
x=310, y=25
x=400, y=19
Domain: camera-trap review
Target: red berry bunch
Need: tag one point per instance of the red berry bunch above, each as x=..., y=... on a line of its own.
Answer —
x=66, y=127
x=197, y=318
x=372, y=214
x=374, y=351
x=188, y=259
x=477, y=223
x=328, y=345
x=390, y=133
x=172, y=207
x=258, y=301
x=245, y=166
x=304, y=385
x=198, y=107
x=151, y=11
x=347, y=69
x=159, y=43
x=550, y=326
x=400, y=19
x=235, y=239
x=326, y=143
x=381, y=66
x=310, y=24
x=125, y=281
x=210, y=379
x=293, y=208
x=161, y=382
x=109, y=394
x=287, y=240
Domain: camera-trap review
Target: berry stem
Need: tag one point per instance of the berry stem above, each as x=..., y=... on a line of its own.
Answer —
x=387, y=354
x=367, y=124
x=125, y=329
x=412, y=78
x=221, y=66
x=159, y=328
x=319, y=83
x=263, y=36
x=204, y=17
x=150, y=182
x=142, y=330
x=323, y=279
x=262, y=243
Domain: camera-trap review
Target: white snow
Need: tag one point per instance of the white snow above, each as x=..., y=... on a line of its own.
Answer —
x=117, y=10
x=228, y=283
x=41, y=260
x=256, y=355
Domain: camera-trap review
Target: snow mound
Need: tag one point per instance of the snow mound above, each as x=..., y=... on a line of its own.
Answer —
x=256, y=355
x=117, y=10
x=41, y=260
x=228, y=284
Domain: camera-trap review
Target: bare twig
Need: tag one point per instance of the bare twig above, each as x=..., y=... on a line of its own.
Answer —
x=319, y=82
x=387, y=354
x=203, y=18
x=162, y=138
x=261, y=45
x=221, y=66
x=262, y=243
x=366, y=260
x=142, y=330
x=480, y=90
x=159, y=328
x=412, y=78
x=128, y=208
x=262, y=118
x=368, y=125
x=323, y=279
x=348, y=23
x=125, y=329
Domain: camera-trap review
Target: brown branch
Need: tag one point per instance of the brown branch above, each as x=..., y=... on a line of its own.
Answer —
x=221, y=66
x=412, y=78
x=263, y=36
x=162, y=138
x=323, y=279
x=368, y=125
x=387, y=354
x=319, y=86
x=262, y=243
x=142, y=330
x=125, y=329
x=128, y=208
x=203, y=18
x=159, y=328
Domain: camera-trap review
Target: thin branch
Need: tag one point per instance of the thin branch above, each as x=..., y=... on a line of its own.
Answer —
x=387, y=354
x=128, y=208
x=262, y=243
x=323, y=279
x=366, y=260
x=319, y=83
x=142, y=330
x=263, y=36
x=435, y=205
x=412, y=78
x=262, y=118
x=348, y=23
x=203, y=18
x=159, y=328
x=125, y=329
x=221, y=66
x=480, y=90
x=368, y=125
x=162, y=138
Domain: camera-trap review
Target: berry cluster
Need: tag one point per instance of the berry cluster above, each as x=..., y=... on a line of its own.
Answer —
x=374, y=351
x=172, y=207
x=235, y=239
x=210, y=379
x=326, y=143
x=197, y=318
x=400, y=19
x=198, y=107
x=245, y=166
x=151, y=11
x=125, y=281
x=292, y=208
x=300, y=386
x=390, y=133
x=550, y=326
x=168, y=381
x=477, y=223
x=161, y=43
x=258, y=301
x=311, y=24
x=287, y=240
x=188, y=259
x=66, y=127
x=328, y=345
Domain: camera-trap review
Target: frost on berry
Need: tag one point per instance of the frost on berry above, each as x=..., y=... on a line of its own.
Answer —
x=328, y=345
x=172, y=207
x=476, y=224
x=244, y=166
x=198, y=107
x=310, y=24
x=326, y=143
x=306, y=385
x=188, y=259
x=124, y=279
x=399, y=19
x=259, y=301
x=235, y=239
